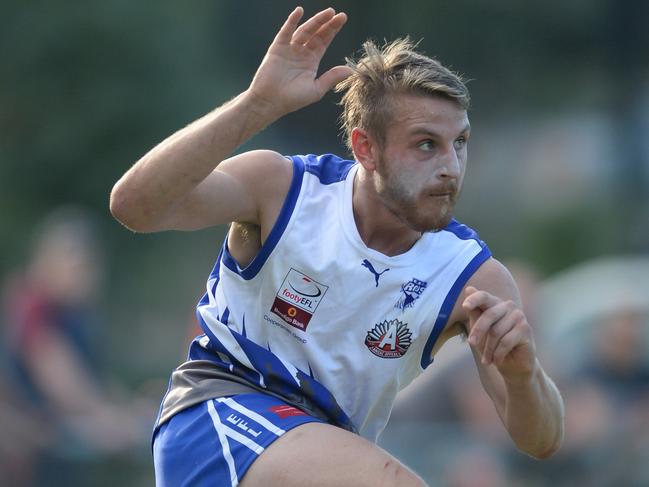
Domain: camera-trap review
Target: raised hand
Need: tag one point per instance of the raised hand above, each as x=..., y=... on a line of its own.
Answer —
x=287, y=77
x=500, y=333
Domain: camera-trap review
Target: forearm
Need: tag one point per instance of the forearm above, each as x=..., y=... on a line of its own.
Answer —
x=167, y=173
x=533, y=414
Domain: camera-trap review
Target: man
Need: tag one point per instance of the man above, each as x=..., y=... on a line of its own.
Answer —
x=338, y=280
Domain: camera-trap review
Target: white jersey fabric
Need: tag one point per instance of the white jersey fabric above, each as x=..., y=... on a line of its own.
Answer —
x=320, y=314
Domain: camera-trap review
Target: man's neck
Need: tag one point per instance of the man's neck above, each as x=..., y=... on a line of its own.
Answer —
x=379, y=228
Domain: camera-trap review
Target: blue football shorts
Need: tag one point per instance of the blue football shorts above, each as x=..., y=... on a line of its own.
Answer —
x=216, y=441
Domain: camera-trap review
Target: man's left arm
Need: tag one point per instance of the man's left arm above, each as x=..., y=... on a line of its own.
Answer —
x=502, y=343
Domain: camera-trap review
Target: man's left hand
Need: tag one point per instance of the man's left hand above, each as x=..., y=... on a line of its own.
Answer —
x=499, y=331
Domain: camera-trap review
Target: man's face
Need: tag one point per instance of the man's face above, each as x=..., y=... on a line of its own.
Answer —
x=420, y=169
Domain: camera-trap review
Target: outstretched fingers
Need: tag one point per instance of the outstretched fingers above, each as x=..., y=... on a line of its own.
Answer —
x=285, y=34
x=309, y=28
x=316, y=34
x=321, y=39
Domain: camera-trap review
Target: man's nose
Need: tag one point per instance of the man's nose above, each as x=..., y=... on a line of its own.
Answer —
x=449, y=165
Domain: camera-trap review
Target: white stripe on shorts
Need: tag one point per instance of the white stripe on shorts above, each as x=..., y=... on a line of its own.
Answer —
x=235, y=435
x=234, y=480
x=252, y=415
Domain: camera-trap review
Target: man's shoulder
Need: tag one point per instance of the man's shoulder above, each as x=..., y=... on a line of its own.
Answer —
x=494, y=277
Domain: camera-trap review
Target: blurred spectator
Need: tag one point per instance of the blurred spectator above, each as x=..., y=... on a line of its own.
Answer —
x=52, y=344
x=619, y=361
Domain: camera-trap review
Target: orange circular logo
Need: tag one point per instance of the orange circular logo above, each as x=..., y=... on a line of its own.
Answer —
x=292, y=312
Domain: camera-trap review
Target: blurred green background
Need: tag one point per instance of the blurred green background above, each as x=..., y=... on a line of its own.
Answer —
x=559, y=157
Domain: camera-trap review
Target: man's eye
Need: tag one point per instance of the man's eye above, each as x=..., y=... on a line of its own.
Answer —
x=459, y=143
x=426, y=145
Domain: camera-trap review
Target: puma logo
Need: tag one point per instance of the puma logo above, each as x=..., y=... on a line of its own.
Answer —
x=370, y=267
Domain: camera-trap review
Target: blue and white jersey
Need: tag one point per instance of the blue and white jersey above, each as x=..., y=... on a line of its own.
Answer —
x=319, y=314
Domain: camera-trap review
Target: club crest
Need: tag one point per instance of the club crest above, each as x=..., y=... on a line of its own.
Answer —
x=389, y=339
x=410, y=292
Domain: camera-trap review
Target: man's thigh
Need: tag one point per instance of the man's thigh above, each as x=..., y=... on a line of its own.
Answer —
x=319, y=455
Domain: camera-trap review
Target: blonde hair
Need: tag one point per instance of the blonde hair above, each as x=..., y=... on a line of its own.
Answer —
x=380, y=74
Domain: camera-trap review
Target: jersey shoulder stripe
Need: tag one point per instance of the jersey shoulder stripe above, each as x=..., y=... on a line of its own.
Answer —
x=328, y=168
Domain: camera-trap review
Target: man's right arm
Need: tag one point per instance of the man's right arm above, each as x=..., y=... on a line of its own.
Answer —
x=182, y=183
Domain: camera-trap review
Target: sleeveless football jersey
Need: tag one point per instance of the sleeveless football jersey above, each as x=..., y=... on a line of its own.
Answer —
x=318, y=314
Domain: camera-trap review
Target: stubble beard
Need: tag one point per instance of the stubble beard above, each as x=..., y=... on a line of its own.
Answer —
x=417, y=205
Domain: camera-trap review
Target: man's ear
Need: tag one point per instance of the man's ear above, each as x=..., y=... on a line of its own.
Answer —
x=364, y=148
